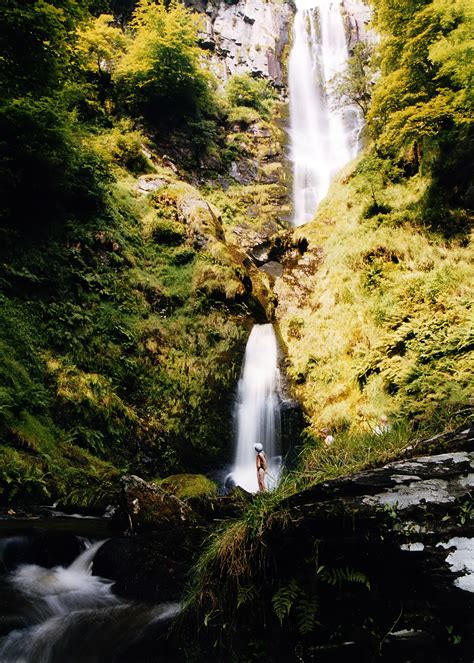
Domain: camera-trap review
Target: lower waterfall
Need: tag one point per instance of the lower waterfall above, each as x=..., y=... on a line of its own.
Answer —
x=257, y=410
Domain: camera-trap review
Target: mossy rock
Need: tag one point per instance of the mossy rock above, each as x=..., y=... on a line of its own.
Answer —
x=186, y=486
x=149, y=506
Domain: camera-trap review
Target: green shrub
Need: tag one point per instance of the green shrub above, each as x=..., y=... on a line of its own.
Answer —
x=243, y=90
x=243, y=115
x=169, y=232
x=375, y=208
x=183, y=255
x=45, y=172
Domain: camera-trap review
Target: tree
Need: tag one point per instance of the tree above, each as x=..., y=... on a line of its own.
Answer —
x=35, y=44
x=423, y=102
x=100, y=44
x=354, y=85
x=160, y=73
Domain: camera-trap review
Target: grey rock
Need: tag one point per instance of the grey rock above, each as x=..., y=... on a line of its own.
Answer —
x=246, y=37
x=272, y=268
x=357, y=15
x=147, y=184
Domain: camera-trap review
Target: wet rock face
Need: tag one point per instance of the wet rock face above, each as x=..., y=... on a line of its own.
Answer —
x=246, y=37
x=408, y=527
x=357, y=16
x=152, y=566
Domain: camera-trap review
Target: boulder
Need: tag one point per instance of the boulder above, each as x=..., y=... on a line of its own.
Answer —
x=152, y=566
x=272, y=268
x=150, y=184
x=148, y=506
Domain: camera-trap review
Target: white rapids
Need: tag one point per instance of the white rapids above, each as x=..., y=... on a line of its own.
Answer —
x=322, y=138
x=257, y=410
x=67, y=614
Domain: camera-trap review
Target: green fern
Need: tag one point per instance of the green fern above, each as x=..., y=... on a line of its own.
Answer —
x=307, y=610
x=246, y=595
x=284, y=599
x=339, y=576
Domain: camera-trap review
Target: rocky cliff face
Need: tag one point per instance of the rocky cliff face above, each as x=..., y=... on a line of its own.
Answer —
x=357, y=16
x=251, y=36
x=247, y=37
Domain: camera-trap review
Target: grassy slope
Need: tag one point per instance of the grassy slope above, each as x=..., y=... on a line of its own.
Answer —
x=387, y=325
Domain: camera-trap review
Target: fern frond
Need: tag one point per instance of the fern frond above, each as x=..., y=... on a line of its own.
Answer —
x=246, y=595
x=284, y=599
x=306, y=610
x=339, y=576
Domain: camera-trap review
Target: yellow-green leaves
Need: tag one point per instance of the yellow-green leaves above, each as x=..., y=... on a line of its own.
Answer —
x=426, y=59
x=100, y=44
x=160, y=71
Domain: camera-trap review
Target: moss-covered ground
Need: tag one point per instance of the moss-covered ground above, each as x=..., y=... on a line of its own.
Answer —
x=121, y=343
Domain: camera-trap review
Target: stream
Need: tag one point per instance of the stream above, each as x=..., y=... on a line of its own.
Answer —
x=53, y=609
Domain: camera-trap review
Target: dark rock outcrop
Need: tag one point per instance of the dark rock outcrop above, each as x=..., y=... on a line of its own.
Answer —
x=147, y=506
x=408, y=529
x=150, y=567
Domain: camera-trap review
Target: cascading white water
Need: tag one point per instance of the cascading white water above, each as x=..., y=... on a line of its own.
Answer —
x=67, y=614
x=257, y=409
x=322, y=138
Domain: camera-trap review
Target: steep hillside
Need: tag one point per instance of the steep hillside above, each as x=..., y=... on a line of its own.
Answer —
x=126, y=297
x=377, y=314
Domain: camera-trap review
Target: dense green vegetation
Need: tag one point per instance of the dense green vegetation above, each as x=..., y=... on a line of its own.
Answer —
x=130, y=183
x=124, y=302
x=424, y=102
x=123, y=309
x=383, y=323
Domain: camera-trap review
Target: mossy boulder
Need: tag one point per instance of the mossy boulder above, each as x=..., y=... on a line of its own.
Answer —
x=149, y=506
x=186, y=486
x=202, y=220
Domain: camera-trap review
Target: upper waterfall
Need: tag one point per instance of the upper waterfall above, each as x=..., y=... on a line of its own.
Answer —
x=322, y=138
x=257, y=409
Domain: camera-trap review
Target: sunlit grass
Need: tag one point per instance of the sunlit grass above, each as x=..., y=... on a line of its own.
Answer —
x=383, y=322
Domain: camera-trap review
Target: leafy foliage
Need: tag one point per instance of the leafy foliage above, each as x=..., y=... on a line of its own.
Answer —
x=160, y=72
x=41, y=155
x=423, y=97
x=354, y=85
x=284, y=599
x=35, y=45
x=386, y=330
x=100, y=45
x=243, y=90
x=339, y=576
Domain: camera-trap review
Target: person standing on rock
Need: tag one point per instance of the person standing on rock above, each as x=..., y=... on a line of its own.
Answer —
x=261, y=462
